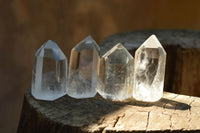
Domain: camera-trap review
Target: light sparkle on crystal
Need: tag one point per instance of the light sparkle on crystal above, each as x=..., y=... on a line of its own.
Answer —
x=49, y=78
x=116, y=74
x=150, y=60
x=82, y=79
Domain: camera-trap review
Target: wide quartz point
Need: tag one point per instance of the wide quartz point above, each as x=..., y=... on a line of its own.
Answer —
x=116, y=74
x=150, y=59
x=49, y=80
x=82, y=81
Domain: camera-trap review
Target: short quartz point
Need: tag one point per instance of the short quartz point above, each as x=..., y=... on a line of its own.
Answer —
x=116, y=74
x=49, y=79
x=150, y=60
x=84, y=59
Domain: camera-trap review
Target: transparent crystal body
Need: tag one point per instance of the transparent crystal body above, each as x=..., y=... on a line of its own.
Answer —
x=116, y=74
x=49, y=77
x=82, y=81
x=150, y=60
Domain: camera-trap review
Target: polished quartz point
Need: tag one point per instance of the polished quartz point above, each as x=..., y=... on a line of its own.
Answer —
x=116, y=74
x=150, y=59
x=49, y=79
x=82, y=81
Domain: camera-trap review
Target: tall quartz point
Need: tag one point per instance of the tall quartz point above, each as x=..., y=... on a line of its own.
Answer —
x=150, y=59
x=116, y=74
x=82, y=81
x=49, y=80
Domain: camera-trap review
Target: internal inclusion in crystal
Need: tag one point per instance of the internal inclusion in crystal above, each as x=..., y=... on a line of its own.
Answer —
x=150, y=60
x=116, y=74
x=82, y=81
x=49, y=80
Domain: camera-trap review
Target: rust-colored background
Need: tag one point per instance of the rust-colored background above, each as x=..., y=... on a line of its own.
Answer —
x=26, y=24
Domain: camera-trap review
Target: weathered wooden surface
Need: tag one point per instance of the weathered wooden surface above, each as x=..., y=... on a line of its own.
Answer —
x=26, y=24
x=172, y=113
x=183, y=56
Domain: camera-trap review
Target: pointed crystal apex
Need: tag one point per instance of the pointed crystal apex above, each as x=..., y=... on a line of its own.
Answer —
x=153, y=42
x=51, y=50
x=82, y=81
x=150, y=60
x=49, y=80
x=117, y=50
x=51, y=44
x=116, y=74
x=119, y=45
x=87, y=43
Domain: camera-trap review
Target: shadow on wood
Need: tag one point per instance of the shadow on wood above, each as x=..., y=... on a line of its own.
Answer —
x=183, y=56
x=173, y=113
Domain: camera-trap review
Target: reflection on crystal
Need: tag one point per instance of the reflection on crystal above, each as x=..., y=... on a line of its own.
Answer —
x=116, y=74
x=82, y=81
x=49, y=80
x=150, y=59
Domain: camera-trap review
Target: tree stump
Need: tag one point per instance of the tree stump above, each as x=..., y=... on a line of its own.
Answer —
x=173, y=113
x=183, y=56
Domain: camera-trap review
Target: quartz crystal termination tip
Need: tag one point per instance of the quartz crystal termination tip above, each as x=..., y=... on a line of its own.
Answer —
x=150, y=60
x=116, y=74
x=84, y=59
x=49, y=78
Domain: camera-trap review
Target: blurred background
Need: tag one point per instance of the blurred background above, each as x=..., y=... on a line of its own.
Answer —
x=26, y=24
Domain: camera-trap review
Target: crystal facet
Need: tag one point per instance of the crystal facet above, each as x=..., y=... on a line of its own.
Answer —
x=49, y=80
x=82, y=81
x=150, y=59
x=116, y=74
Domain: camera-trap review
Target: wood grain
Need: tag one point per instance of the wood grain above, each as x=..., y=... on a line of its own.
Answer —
x=26, y=24
x=183, y=56
x=172, y=113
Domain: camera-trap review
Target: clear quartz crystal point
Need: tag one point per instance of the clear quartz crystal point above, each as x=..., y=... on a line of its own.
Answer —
x=150, y=59
x=116, y=74
x=82, y=81
x=49, y=80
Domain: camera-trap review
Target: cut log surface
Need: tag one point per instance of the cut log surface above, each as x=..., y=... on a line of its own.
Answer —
x=183, y=56
x=173, y=113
